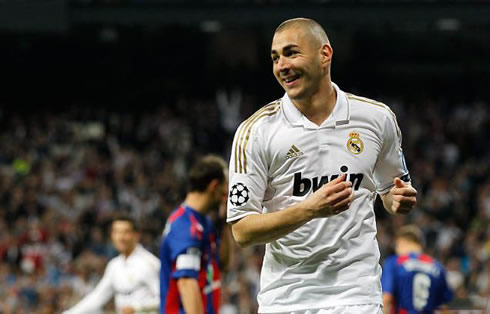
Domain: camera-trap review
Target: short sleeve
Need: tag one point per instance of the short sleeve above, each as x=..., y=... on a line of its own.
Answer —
x=391, y=161
x=388, y=275
x=184, y=244
x=247, y=173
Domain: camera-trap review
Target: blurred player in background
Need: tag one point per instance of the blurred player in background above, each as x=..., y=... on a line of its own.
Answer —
x=192, y=251
x=304, y=174
x=413, y=282
x=131, y=277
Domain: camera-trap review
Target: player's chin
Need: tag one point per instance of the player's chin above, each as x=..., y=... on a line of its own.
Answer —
x=294, y=93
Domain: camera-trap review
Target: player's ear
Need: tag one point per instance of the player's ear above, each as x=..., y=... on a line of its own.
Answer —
x=326, y=53
x=213, y=185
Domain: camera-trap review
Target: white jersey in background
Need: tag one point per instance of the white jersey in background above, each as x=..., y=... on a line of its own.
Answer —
x=133, y=281
x=278, y=159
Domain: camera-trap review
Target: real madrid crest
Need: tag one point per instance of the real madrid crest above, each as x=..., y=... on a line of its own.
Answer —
x=355, y=144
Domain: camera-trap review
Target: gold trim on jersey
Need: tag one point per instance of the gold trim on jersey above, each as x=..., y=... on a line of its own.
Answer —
x=378, y=104
x=244, y=134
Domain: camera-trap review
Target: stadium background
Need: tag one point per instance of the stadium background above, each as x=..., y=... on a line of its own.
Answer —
x=104, y=105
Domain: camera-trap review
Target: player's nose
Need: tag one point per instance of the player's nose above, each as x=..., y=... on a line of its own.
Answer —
x=283, y=65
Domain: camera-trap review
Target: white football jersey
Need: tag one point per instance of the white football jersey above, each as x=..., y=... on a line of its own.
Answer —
x=278, y=159
x=133, y=281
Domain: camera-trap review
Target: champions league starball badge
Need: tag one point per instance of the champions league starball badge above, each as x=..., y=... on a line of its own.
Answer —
x=239, y=194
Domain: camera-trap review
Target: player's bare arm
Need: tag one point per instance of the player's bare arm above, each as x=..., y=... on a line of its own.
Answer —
x=387, y=303
x=127, y=310
x=226, y=239
x=401, y=198
x=191, y=295
x=331, y=199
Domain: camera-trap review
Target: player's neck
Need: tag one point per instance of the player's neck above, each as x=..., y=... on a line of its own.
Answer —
x=198, y=201
x=319, y=106
x=129, y=251
x=409, y=249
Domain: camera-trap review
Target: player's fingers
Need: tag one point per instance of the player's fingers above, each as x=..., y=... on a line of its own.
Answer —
x=405, y=191
x=408, y=201
x=401, y=199
x=342, y=206
x=403, y=205
x=343, y=203
x=340, y=186
x=337, y=180
x=398, y=182
x=339, y=196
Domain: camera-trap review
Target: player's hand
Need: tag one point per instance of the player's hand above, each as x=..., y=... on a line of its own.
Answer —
x=127, y=310
x=330, y=199
x=403, y=197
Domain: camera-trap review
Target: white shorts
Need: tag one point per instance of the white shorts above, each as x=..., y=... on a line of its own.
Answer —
x=344, y=309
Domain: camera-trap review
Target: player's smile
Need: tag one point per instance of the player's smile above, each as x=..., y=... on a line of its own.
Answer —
x=291, y=80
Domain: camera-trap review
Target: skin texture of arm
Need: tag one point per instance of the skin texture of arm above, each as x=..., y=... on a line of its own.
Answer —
x=225, y=238
x=400, y=199
x=331, y=199
x=191, y=295
x=225, y=248
x=387, y=303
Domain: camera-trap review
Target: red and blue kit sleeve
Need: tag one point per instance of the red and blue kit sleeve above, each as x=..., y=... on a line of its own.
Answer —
x=185, y=246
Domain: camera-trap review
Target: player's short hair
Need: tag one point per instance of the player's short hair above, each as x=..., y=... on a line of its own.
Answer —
x=205, y=170
x=127, y=219
x=411, y=233
x=312, y=26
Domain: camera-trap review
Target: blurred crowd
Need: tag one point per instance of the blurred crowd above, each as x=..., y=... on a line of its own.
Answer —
x=64, y=174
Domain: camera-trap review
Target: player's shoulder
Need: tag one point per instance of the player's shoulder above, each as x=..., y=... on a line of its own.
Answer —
x=180, y=215
x=184, y=222
x=365, y=105
x=147, y=257
x=390, y=260
x=113, y=262
x=432, y=260
x=264, y=116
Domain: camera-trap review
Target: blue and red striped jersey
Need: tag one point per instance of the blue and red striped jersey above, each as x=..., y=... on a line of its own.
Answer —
x=417, y=282
x=189, y=248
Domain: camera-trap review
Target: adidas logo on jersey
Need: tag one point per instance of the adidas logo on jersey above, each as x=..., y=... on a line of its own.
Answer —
x=293, y=152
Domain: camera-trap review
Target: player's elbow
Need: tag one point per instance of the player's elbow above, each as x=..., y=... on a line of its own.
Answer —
x=242, y=240
x=243, y=244
x=240, y=236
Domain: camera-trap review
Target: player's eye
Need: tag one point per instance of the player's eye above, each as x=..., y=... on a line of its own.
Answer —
x=275, y=58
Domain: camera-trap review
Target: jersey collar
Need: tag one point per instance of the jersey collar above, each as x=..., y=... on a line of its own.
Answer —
x=137, y=248
x=339, y=116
